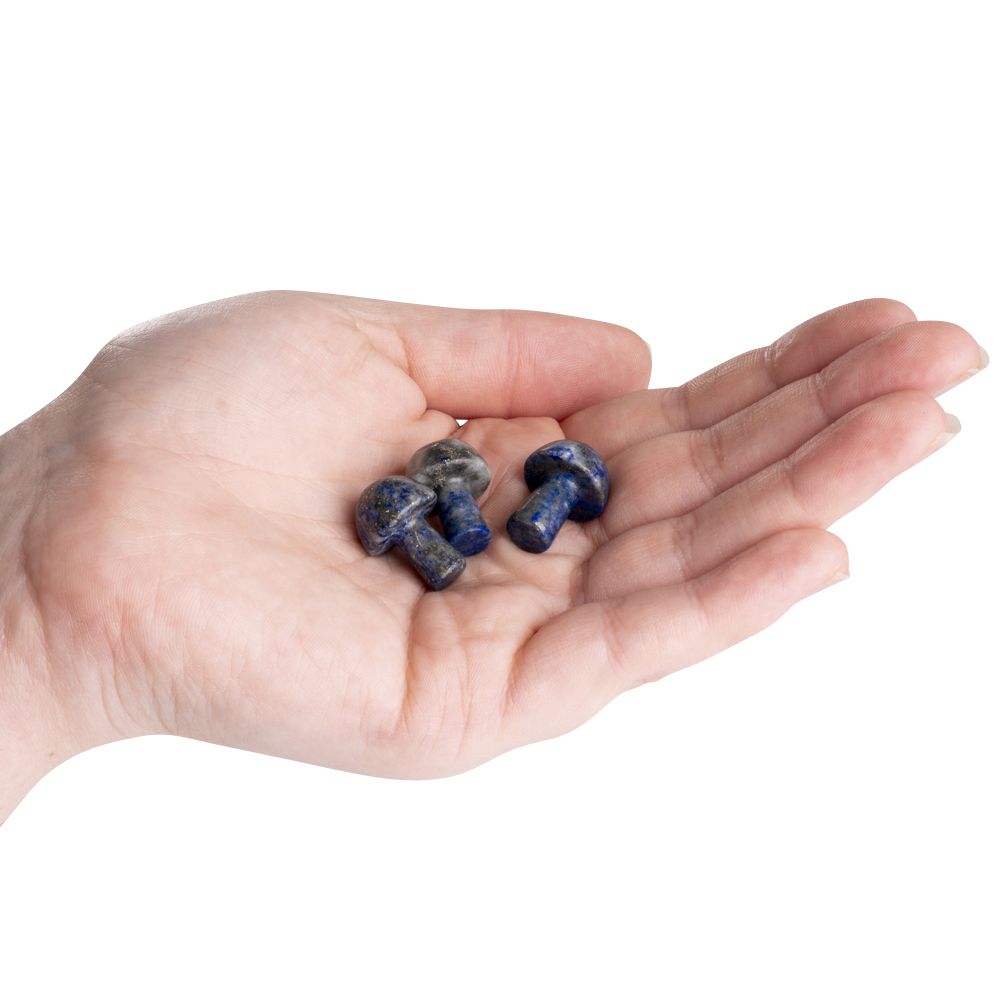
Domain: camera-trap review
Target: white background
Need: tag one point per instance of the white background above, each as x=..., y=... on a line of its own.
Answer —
x=811, y=814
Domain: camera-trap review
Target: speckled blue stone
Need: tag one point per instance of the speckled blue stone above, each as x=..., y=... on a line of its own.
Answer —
x=462, y=522
x=391, y=512
x=569, y=480
x=458, y=474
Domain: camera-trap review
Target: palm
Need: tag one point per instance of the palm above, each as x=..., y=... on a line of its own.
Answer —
x=226, y=448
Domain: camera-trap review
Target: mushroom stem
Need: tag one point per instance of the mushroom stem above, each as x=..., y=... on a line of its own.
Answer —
x=535, y=525
x=462, y=521
x=433, y=558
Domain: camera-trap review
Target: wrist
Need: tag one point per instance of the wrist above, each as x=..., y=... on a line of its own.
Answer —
x=48, y=712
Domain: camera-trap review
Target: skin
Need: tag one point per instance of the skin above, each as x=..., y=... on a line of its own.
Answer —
x=178, y=554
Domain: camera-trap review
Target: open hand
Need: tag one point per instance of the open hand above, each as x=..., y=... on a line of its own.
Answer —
x=191, y=560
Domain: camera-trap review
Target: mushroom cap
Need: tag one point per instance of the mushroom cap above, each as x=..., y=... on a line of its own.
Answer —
x=581, y=462
x=452, y=464
x=386, y=508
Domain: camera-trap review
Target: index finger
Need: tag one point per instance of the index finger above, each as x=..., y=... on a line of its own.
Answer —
x=616, y=424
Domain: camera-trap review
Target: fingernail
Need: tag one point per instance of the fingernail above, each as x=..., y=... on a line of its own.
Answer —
x=952, y=427
x=841, y=574
x=984, y=360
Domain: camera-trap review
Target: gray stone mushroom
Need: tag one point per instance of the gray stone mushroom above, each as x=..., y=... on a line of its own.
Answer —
x=458, y=474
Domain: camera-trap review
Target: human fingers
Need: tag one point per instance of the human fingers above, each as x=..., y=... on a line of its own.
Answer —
x=831, y=474
x=613, y=425
x=678, y=472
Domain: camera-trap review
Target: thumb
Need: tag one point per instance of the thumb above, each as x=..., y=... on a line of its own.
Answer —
x=515, y=363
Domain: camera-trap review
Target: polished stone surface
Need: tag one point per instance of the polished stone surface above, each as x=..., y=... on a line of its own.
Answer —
x=392, y=512
x=569, y=480
x=458, y=474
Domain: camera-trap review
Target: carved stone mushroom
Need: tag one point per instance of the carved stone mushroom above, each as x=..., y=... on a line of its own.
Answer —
x=392, y=512
x=458, y=474
x=569, y=479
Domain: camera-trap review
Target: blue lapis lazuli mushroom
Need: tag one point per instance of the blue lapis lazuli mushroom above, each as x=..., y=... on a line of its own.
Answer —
x=569, y=480
x=392, y=512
